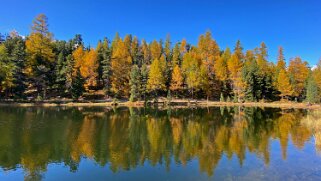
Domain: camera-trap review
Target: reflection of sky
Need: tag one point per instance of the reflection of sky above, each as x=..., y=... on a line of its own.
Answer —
x=302, y=164
x=296, y=159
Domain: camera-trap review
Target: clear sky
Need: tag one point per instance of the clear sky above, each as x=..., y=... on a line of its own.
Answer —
x=294, y=24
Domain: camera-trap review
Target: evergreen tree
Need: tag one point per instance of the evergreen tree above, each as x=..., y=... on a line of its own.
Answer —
x=316, y=73
x=7, y=69
x=252, y=78
x=106, y=65
x=312, y=91
x=135, y=83
x=222, y=98
x=15, y=46
x=69, y=71
x=61, y=72
x=144, y=79
x=77, y=86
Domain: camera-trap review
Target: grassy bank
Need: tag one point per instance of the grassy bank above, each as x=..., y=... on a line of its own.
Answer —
x=162, y=102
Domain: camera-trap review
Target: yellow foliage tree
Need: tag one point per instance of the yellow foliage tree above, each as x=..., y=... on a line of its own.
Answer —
x=177, y=79
x=191, y=71
x=155, y=50
x=156, y=79
x=220, y=68
x=89, y=67
x=235, y=69
x=86, y=62
x=78, y=56
x=121, y=66
x=40, y=53
x=209, y=50
x=299, y=72
x=284, y=85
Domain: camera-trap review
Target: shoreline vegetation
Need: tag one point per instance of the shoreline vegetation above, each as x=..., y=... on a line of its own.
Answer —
x=38, y=69
x=162, y=103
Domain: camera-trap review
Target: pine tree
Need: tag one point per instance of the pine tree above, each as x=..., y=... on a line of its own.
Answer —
x=222, y=98
x=316, y=73
x=77, y=87
x=144, y=79
x=7, y=69
x=251, y=78
x=15, y=46
x=134, y=51
x=106, y=64
x=100, y=59
x=60, y=72
x=135, y=83
x=69, y=70
x=312, y=91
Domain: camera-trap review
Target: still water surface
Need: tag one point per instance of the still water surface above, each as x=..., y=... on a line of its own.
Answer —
x=159, y=144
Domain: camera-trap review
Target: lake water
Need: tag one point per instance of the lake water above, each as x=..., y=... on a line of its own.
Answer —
x=234, y=143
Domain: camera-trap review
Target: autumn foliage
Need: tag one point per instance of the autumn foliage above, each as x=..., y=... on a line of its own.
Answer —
x=127, y=67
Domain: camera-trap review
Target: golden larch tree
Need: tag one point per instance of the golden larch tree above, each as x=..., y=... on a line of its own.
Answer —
x=191, y=71
x=177, y=79
x=156, y=80
x=78, y=56
x=299, y=72
x=89, y=68
x=40, y=55
x=155, y=50
x=121, y=66
x=284, y=84
x=235, y=69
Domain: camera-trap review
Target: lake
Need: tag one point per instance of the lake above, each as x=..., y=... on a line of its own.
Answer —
x=102, y=143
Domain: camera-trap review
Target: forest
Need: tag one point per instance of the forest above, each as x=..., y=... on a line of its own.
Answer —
x=39, y=67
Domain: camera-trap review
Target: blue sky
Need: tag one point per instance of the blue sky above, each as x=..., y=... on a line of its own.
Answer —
x=293, y=24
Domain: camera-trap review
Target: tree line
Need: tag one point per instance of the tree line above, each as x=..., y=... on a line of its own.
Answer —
x=43, y=67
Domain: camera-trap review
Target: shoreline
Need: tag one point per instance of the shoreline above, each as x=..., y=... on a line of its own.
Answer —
x=175, y=103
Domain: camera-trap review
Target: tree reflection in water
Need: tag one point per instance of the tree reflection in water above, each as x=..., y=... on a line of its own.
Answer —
x=125, y=138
